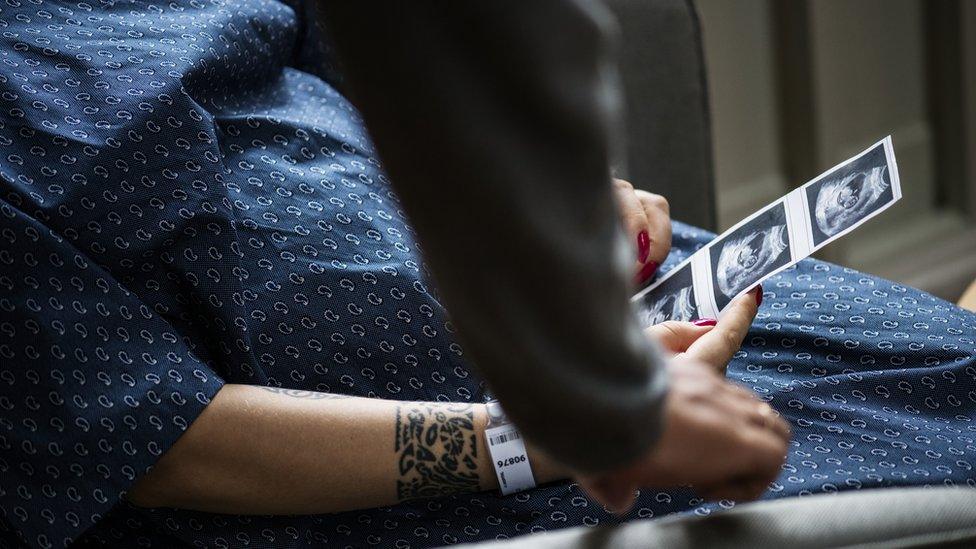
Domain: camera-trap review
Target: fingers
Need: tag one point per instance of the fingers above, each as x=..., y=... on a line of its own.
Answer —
x=764, y=444
x=762, y=416
x=647, y=220
x=762, y=437
x=770, y=419
x=658, y=225
x=717, y=346
x=633, y=216
x=617, y=497
x=675, y=336
x=768, y=452
x=759, y=414
x=718, y=437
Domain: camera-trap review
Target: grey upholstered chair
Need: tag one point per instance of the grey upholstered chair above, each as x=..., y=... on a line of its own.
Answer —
x=669, y=137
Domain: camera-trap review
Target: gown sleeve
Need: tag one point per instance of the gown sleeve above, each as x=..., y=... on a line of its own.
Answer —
x=495, y=121
x=94, y=385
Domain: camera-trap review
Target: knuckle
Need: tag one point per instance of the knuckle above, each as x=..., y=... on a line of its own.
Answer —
x=672, y=327
x=742, y=391
x=659, y=202
x=623, y=185
x=635, y=219
x=653, y=200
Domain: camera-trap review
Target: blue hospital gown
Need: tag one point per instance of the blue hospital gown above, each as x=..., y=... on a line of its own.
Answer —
x=187, y=200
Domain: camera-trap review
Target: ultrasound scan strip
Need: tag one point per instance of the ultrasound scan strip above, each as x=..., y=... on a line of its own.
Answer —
x=775, y=237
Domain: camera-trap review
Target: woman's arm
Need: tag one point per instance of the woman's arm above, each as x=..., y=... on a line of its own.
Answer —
x=262, y=450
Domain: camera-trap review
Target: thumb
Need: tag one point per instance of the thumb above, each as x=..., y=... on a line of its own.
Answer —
x=676, y=337
x=718, y=348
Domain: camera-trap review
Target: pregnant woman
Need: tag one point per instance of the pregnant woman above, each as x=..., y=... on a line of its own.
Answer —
x=218, y=329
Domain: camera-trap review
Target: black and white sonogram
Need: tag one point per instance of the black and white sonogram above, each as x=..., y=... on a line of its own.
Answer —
x=673, y=299
x=747, y=254
x=849, y=194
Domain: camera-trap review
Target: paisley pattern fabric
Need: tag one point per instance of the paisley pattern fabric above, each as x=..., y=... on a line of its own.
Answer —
x=187, y=200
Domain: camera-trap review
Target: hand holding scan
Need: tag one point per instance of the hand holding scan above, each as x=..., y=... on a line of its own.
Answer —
x=715, y=344
x=717, y=347
x=646, y=218
x=718, y=437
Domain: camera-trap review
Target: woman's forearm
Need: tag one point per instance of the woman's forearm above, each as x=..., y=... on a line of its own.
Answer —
x=260, y=450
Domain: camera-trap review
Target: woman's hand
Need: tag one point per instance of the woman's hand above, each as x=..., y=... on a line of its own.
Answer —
x=718, y=436
x=647, y=220
x=709, y=341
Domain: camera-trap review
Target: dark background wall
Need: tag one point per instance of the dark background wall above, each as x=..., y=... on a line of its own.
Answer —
x=796, y=87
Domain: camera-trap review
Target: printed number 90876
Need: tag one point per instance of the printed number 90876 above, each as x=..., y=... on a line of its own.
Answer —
x=511, y=461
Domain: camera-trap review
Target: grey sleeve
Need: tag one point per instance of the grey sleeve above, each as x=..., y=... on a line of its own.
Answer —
x=495, y=121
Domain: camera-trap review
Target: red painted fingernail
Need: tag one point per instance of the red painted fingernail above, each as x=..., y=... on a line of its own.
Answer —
x=646, y=272
x=705, y=322
x=759, y=292
x=643, y=246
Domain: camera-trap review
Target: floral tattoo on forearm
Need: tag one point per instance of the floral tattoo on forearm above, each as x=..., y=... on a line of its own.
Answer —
x=437, y=450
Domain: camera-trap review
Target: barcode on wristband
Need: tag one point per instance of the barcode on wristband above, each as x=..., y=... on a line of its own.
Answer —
x=505, y=437
x=508, y=455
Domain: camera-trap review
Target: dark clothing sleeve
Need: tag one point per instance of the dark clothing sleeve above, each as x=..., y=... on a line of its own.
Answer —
x=495, y=121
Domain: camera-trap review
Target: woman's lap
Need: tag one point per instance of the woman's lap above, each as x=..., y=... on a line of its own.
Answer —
x=877, y=380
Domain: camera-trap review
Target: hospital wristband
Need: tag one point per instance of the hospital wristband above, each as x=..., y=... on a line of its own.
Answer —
x=507, y=451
